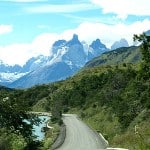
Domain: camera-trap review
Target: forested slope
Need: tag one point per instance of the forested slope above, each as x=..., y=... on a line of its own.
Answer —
x=118, y=56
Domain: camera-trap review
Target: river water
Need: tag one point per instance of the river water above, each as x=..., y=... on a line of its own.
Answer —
x=37, y=129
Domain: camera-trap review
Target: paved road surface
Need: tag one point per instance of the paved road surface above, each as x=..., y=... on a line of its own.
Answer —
x=79, y=136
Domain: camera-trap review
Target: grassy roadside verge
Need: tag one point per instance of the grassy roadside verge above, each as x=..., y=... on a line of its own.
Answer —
x=50, y=136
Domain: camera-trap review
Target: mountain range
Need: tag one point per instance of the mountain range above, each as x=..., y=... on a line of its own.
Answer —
x=66, y=59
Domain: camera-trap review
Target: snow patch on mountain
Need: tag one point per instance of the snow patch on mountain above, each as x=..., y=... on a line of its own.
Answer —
x=10, y=77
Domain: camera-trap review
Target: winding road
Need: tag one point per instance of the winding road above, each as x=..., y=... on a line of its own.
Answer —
x=79, y=136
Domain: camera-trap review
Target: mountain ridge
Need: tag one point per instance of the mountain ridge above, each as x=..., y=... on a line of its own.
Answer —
x=121, y=55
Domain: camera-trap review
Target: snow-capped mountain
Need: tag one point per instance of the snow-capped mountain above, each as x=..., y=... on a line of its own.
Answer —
x=9, y=74
x=34, y=63
x=71, y=52
x=121, y=43
x=7, y=78
x=7, y=68
x=67, y=58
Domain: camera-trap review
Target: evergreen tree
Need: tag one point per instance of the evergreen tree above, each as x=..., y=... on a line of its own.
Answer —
x=145, y=50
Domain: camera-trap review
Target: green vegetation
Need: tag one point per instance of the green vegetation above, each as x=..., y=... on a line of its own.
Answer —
x=50, y=136
x=15, y=132
x=118, y=56
x=10, y=141
x=112, y=99
x=145, y=50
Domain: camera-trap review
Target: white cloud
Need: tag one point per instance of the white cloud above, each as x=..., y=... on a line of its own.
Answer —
x=42, y=44
x=14, y=54
x=108, y=34
x=20, y=53
x=5, y=29
x=111, y=33
x=123, y=8
x=67, y=8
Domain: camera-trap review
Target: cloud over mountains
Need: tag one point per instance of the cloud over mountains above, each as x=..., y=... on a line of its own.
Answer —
x=30, y=27
x=87, y=32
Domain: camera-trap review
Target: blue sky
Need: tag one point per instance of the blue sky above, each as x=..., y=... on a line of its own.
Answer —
x=29, y=27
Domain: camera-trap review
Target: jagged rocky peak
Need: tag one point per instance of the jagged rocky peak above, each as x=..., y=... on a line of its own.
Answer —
x=75, y=37
x=58, y=44
x=74, y=40
x=97, y=44
x=122, y=43
x=96, y=48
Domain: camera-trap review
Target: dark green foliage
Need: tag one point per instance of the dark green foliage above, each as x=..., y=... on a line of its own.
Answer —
x=13, y=113
x=33, y=95
x=4, y=143
x=15, y=105
x=33, y=145
x=145, y=50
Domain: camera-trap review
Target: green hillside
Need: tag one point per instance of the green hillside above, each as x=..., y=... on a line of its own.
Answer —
x=112, y=101
x=118, y=56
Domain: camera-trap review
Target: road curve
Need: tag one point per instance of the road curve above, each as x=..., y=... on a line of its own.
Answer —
x=79, y=136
